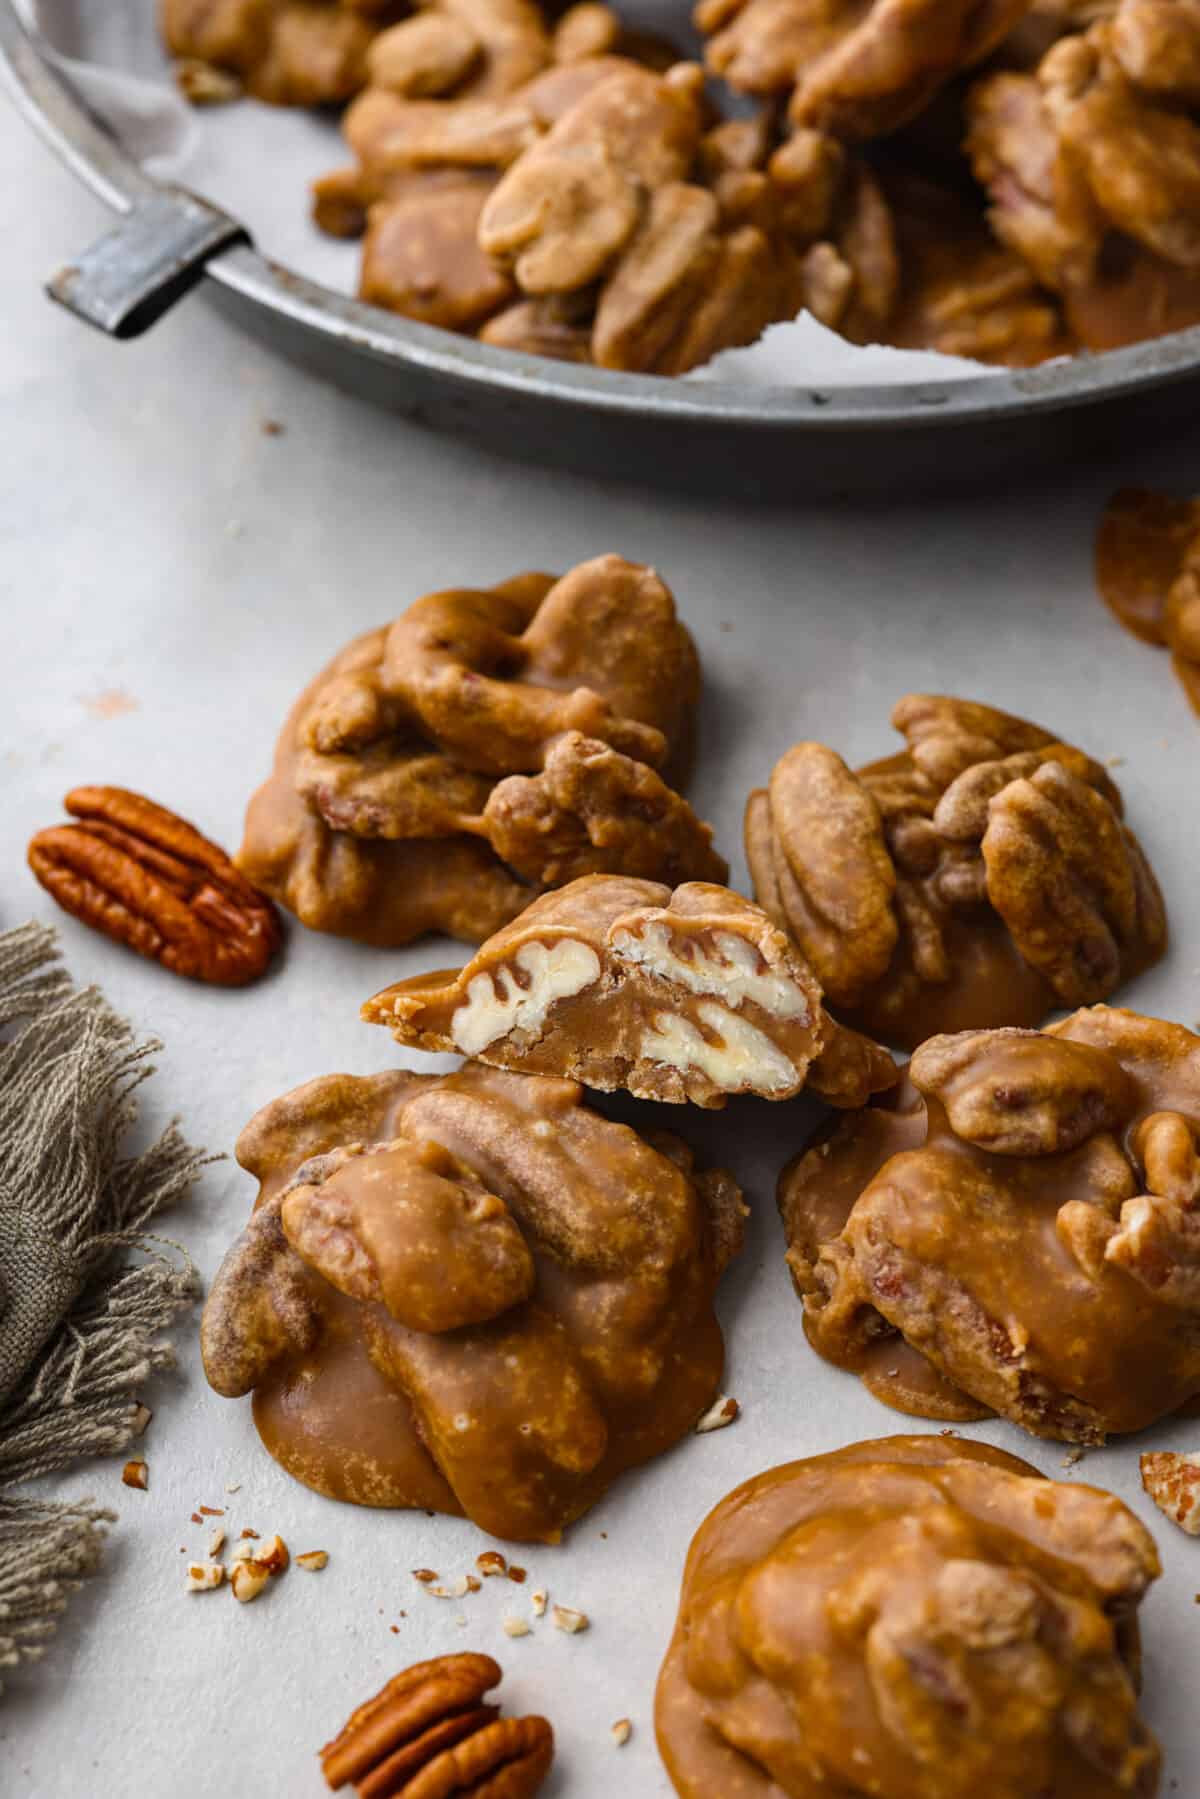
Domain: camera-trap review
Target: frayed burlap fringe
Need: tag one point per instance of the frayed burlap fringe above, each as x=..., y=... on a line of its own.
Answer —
x=81, y=1328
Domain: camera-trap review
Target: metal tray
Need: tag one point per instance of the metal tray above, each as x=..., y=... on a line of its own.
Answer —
x=766, y=443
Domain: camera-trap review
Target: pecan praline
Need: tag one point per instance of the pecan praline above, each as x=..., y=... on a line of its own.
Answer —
x=470, y=1294
x=911, y=1616
x=485, y=746
x=1017, y=1231
x=982, y=876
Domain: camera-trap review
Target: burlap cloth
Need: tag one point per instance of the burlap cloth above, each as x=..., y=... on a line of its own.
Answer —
x=81, y=1319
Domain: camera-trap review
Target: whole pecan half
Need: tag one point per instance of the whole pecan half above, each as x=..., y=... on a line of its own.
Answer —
x=137, y=873
x=427, y=1735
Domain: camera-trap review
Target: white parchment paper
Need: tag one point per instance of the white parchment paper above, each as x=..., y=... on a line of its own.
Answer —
x=258, y=162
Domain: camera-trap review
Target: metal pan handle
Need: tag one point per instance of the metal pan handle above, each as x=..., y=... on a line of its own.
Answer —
x=137, y=271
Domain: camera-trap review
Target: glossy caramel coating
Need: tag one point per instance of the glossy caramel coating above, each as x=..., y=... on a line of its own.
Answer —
x=469, y=1294
x=981, y=877
x=621, y=983
x=911, y=1618
x=445, y=769
x=1017, y=1231
x=1148, y=572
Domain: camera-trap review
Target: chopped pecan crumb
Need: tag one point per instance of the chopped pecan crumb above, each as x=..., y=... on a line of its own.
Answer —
x=566, y=1618
x=1173, y=1483
x=457, y=1589
x=313, y=1560
x=136, y=1474
x=273, y=1555
x=203, y=1577
x=718, y=1415
x=247, y=1580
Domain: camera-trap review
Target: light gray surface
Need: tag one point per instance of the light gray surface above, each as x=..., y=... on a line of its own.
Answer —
x=169, y=576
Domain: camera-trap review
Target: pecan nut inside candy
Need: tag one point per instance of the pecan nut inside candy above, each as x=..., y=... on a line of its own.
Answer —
x=620, y=983
x=428, y=1734
x=146, y=878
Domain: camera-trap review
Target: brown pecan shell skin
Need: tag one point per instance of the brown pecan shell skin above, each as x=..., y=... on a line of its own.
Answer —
x=427, y=1735
x=140, y=875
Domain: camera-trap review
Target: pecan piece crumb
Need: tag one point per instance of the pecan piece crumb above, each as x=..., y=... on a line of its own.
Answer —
x=203, y=1577
x=247, y=1580
x=1173, y=1483
x=718, y=1415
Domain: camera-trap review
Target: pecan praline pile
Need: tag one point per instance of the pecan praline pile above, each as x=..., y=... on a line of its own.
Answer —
x=471, y=1294
x=1017, y=1231
x=1010, y=180
x=983, y=876
x=912, y=1616
x=487, y=745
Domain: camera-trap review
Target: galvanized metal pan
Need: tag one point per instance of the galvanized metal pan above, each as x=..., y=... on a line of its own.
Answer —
x=766, y=443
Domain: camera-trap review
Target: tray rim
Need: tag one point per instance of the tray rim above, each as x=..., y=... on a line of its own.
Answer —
x=58, y=112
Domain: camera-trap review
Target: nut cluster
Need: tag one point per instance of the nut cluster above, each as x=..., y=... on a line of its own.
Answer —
x=557, y=183
x=1092, y=166
x=914, y=1615
x=486, y=746
x=520, y=1289
x=1021, y=1235
x=429, y=1732
x=982, y=877
x=566, y=192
